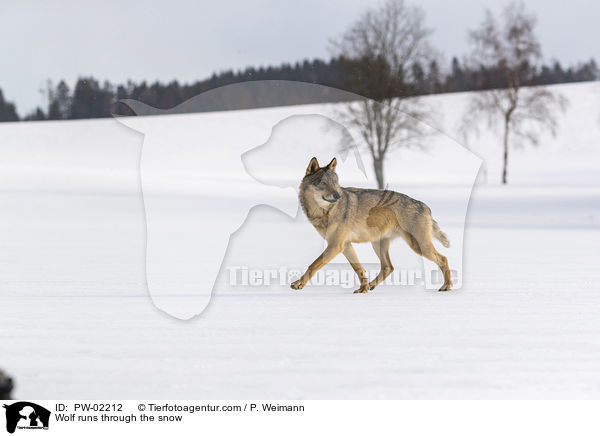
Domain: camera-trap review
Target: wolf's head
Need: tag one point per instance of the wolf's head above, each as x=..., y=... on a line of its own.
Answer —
x=321, y=183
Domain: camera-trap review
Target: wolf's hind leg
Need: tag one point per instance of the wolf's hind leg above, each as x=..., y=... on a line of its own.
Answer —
x=358, y=269
x=440, y=260
x=382, y=250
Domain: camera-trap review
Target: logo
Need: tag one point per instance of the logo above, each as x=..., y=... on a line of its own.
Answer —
x=26, y=415
x=195, y=201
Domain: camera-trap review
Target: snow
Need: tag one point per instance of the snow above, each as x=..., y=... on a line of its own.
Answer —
x=77, y=320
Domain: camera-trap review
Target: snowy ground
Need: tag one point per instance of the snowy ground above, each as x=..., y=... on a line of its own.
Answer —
x=76, y=320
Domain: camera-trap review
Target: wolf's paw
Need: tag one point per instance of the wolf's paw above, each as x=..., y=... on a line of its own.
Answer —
x=297, y=284
x=445, y=287
x=362, y=290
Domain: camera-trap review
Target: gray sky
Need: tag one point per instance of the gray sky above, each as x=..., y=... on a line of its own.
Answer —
x=188, y=40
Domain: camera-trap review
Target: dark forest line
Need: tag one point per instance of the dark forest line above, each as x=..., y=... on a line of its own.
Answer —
x=92, y=99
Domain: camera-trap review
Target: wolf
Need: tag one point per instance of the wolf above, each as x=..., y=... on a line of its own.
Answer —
x=344, y=216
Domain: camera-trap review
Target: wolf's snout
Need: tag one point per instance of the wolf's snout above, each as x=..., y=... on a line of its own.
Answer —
x=332, y=198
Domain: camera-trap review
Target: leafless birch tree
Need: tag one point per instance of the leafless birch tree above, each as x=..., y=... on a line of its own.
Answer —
x=511, y=49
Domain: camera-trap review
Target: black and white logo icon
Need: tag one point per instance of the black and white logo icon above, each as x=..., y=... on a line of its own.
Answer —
x=26, y=415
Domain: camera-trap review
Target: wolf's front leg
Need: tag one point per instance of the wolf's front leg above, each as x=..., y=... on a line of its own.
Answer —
x=358, y=269
x=327, y=256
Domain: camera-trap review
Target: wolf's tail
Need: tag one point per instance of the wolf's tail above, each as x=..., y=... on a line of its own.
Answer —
x=439, y=235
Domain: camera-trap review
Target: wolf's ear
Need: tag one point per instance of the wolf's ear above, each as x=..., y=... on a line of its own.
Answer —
x=313, y=166
x=332, y=164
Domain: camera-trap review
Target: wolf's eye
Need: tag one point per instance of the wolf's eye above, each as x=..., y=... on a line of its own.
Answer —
x=320, y=187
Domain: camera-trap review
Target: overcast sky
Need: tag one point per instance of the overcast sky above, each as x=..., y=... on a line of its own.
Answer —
x=188, y=40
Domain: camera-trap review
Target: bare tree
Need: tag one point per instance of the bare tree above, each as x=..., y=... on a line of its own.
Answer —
x=511, y=51
x=379, y=52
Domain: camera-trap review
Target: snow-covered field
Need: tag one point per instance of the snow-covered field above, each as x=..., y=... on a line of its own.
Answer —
x=77, y=320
